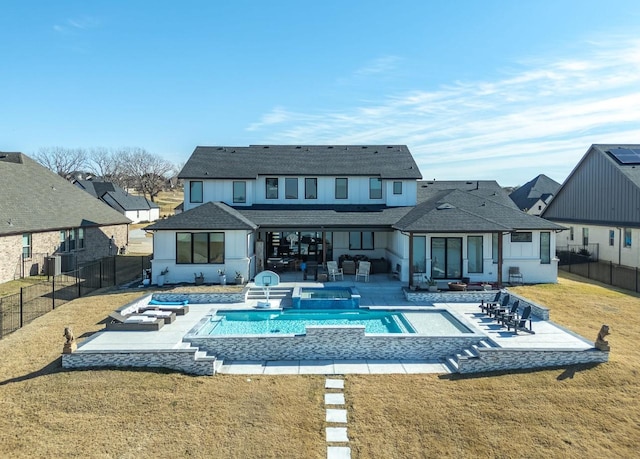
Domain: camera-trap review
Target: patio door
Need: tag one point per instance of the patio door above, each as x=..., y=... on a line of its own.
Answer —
x=446, y=257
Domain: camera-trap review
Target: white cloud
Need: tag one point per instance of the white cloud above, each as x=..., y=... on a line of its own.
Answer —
x=542, y=116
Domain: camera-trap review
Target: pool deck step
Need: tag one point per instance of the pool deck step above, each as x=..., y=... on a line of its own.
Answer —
x=453, y=361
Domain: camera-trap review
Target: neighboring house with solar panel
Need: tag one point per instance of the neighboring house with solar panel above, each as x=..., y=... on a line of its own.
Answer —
x=534, y=196
x=600, y=204
x=43, y=215
x=247, y=209
x=135, y=208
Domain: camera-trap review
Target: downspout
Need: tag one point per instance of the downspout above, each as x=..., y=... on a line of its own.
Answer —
x=500, y=261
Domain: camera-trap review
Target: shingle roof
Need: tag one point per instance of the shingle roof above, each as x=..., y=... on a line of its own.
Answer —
x=468, y=211
x=208, y=216
x=126, y=201
x=528, y=194
x=35, y=199
x=488, y=189
x=385, y=161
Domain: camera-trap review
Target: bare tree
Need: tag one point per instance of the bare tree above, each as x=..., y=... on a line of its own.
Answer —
x=109, y=165
x=63, y=161
x=148, y=171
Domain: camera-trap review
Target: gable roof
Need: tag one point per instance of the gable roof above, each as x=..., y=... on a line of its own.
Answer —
x=540, y=188
x=469, y=209
x=600, y=190
x=208, y=216
x=34, y=199
x=385, y=161
x=108, y=191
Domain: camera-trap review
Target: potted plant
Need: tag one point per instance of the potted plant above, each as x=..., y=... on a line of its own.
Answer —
x=222, y=276
x=162, y=276
x=239, y=278
x=432, y=285
x=199, y=280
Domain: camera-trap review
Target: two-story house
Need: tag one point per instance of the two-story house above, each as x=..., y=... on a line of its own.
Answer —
x=534, y=196
x=247, y=206
x=600, y=204
x=135, y=208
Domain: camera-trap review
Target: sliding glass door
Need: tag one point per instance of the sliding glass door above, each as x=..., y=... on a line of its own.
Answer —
x=446, y=257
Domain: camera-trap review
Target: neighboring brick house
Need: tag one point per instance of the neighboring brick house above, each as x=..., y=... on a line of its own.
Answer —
x=135, y=208
x=42, y=214
x=600, y=204
x=245, y=208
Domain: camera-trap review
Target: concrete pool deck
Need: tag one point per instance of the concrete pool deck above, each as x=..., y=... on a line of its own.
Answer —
x=378, y=293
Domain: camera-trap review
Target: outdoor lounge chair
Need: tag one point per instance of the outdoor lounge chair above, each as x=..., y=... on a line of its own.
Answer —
x=168, y=316
x=364, y=267
x=502, y=314
x=334, y=271
x=520, y=323
x=134, y=322
x=485, y=306
x=179, y=309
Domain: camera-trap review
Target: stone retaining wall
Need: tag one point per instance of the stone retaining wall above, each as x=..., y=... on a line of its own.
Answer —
x=330, y=342
x=496, y=359
x=202, y=298
x=173, y=359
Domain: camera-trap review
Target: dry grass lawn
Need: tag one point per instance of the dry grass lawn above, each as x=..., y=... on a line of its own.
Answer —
x=569, y=412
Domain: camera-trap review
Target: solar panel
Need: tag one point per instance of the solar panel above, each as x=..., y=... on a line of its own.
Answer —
x=626, y=155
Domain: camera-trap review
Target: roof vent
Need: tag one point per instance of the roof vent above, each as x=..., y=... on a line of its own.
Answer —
x=445, y=206
x=330, y=146
x=10, y=222
x=266, y=146
x=364, y=146
x=298, y=147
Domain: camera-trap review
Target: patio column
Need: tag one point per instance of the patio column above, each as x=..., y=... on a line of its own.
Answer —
x=500, y=243
x=410, y=259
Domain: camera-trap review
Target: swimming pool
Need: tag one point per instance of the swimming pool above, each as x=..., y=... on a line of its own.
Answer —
x=297, y=321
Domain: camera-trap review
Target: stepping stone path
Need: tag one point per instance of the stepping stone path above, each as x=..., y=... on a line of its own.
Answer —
x=336, y=419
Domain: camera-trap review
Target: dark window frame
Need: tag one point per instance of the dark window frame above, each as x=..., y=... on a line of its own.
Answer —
x=476, y=237
x=208, y=244
x=522, y=236
x=346, y=188
x=29, y=246
x=268, y=190
x=545, y=253
x=237, y=198
x=360, y=243
x=397, y=187
x=307, y=194
x=288, y=184
x=372, y=181
x=191, y=194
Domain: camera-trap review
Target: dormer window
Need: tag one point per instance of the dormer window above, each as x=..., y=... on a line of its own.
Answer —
x=272, y=188
x=375, y=188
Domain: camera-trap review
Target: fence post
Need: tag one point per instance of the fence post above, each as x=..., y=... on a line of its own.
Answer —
x=53, y=290
x=610, y=272
x=115, y=271
x=100, y=276
x=78, y=282
x=21, y=308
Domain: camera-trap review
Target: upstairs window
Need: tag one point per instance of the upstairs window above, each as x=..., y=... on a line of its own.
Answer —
x=272, y=188
x=612, y=237
x=80, y=238
x=26, y=245
x=72, y=240
x=571, y=233
x=397, y=187
x=291, y=188
x=585, y=236
x=240, y=192
x=342, y=188
x=627, y=237
x=375, y=188
x=311, y=188
x=195, y=191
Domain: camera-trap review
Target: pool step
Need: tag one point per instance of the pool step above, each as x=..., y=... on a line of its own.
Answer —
x=255, y=293
x=453, y=361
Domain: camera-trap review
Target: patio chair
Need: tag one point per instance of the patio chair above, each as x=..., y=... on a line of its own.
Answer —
x=485, y=306
x=515, y=276
x=495, y=307
x=334, y=271
x=364, y=267
x=134, y=322
x=520, y=323
x=502, y=315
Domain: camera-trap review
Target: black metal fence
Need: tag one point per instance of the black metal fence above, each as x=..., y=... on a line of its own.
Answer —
x=36, y=300
x=607, y=272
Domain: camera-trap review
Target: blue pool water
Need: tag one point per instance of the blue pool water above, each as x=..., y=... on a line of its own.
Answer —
x=296, y=321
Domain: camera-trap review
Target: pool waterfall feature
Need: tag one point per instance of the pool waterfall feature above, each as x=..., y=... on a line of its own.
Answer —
x=325, y=298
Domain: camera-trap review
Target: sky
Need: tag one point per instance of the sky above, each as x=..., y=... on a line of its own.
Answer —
x=478, y=90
